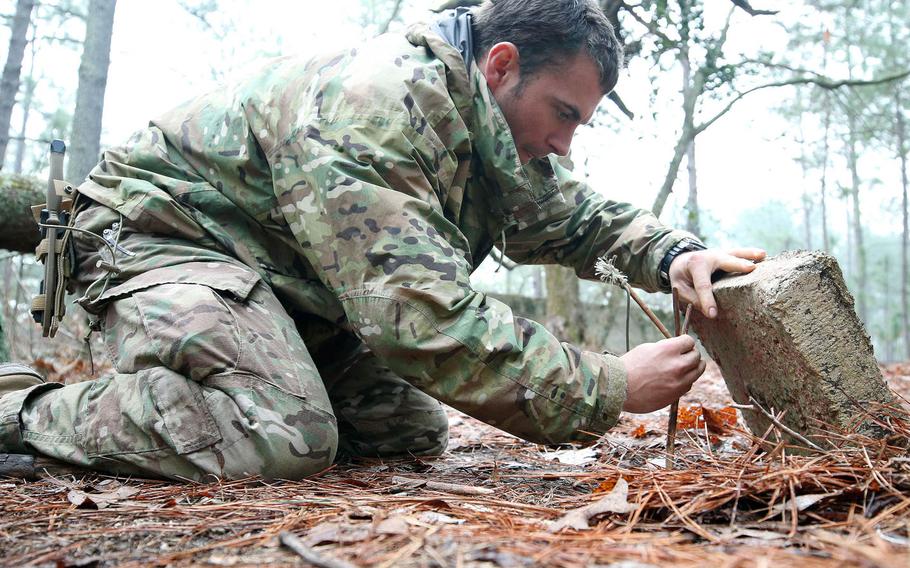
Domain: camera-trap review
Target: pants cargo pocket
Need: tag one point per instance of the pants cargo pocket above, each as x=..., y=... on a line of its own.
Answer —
x=187, y=419
x=154, y=410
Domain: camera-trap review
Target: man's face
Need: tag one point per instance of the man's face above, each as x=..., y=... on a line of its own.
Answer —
x=544, y=113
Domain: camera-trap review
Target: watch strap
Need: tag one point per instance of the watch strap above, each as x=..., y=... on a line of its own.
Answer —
x=683, y=246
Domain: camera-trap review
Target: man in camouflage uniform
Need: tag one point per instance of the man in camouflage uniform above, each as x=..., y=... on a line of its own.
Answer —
x=286, y=263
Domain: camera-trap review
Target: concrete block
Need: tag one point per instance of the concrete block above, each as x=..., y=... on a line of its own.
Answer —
x=787, y=335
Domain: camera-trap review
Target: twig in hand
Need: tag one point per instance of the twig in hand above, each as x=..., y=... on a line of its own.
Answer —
x=674, y=408
x=610, y=274
x=687, y=321
x=308, y=554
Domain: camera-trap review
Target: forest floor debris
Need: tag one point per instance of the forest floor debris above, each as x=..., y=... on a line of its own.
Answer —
x=493, y=500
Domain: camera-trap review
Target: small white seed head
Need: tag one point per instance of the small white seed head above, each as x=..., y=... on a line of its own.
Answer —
x=609, y=273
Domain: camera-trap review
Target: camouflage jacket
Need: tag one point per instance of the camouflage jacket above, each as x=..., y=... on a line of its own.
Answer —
x=364, y=187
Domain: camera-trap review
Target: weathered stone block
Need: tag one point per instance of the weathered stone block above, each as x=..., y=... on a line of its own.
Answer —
x=787, y=335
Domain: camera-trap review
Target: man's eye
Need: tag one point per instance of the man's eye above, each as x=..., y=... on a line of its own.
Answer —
x=564, y=116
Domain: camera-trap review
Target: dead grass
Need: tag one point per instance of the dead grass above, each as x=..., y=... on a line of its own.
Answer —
x=740, y=501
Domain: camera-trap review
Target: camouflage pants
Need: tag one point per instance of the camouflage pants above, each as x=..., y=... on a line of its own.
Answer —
x=214, y=379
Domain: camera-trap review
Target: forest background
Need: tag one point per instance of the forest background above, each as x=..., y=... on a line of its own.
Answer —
x=781, y=125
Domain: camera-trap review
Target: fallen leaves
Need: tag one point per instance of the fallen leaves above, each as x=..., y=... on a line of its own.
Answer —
x=573, y=457
x=720, y=422
x=801, y=503
x=613, y=502
x=100, y=500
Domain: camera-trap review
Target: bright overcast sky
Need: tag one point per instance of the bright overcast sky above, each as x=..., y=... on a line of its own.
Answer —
x=161, y=56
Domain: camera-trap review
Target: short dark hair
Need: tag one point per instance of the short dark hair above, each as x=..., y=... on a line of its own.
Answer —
x=547, y=31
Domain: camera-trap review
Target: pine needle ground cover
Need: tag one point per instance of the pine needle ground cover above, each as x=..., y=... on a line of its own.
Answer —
x=732, y=499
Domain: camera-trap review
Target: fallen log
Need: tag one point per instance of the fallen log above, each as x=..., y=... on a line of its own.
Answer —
x=17, y=194
x=788, y=341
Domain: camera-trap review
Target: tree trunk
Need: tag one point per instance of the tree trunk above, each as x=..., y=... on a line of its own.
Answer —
x=85, y=141
x=857, y=229
x=807, y=219
x=826, y=241
x=806, y=198
x=693, y=87
x=563, y=304
x=905, y=234
x=27, y=98
x=692, y=223
x=17, y=195
x=9, y=83
x=4, y=348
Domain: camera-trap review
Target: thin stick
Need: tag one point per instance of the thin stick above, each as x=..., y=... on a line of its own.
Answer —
x=609, y=273
x=674, y=408
x=799, y=437
x=310, y=555
x=686, y=322
x=441, y=486
x=677, y=324
x=663, y=329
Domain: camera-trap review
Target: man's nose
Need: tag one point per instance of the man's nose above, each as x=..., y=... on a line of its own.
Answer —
x=561, y=141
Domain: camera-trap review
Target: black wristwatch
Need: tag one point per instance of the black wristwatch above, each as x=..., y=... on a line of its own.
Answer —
x=682, y=247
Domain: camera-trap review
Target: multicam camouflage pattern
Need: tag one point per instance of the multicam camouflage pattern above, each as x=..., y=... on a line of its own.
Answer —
x=362, y=188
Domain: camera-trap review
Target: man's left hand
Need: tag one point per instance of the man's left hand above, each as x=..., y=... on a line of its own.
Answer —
x=691, y=273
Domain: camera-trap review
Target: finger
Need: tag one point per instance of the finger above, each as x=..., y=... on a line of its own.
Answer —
x=686, y=296
x=748, y=253
x=731, y=263
x=681, y=345
x=701, y=281
x=696, y=373
x=689, y=361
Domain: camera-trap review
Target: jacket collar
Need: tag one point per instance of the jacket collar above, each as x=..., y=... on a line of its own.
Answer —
x=521, y=192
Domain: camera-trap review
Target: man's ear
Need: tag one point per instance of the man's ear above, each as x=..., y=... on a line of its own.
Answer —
x=501, y=66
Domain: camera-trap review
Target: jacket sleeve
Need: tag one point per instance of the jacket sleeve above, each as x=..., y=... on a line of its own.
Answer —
x=586, y=226
x=362, y=200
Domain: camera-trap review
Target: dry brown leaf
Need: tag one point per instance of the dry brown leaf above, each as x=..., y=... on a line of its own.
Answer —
x=83, y=500
x=329, y=532
x=607, y=485
x=720, y=422
x=434, y=518
x=397, y=525
x=689, y=418
x=612, y=502
x=802, y=502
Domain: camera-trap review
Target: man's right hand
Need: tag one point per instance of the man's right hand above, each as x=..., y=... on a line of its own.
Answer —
x=659, y=373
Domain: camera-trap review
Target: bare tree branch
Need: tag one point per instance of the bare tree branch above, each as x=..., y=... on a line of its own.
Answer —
x=821, y=82
x=71, y=41
x=747, y=7
x=63, y=11
x=652, y=27
x=621, y=105
x=201, y=13
x=395, y=10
